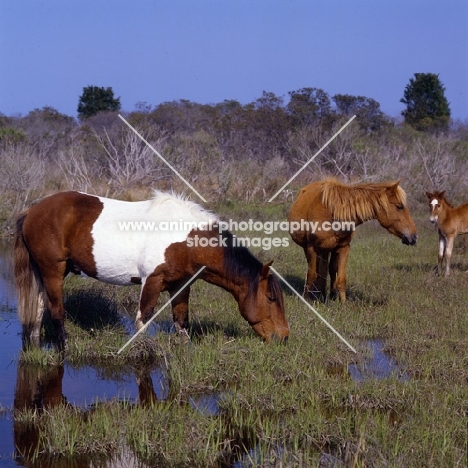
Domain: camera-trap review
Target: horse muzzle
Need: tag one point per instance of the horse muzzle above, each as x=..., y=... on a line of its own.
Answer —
x=410, y=239
x=275, y=338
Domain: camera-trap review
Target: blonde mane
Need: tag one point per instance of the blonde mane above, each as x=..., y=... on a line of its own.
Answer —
x=361, y=201
x=181, y=205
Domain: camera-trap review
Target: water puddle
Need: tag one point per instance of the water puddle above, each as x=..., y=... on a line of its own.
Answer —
x=25, y=386
x=378, y=365
x=207, y=404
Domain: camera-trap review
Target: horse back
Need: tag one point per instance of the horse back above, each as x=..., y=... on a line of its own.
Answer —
x=456, y=220
x=309, y=207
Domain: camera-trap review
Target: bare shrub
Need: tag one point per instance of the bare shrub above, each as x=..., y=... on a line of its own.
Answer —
x=302, y=146
x=195, y=155
x=130, y=161
x=76, y=170
x=338, y=158
x=437, y=163
x=376, y=159
x=253, y=180
x=21, y=175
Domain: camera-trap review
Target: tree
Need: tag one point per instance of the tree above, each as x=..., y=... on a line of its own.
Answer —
x=47, y=128
x=367, y=110
x=307, y=106
x=95, y=99
x=427, y=108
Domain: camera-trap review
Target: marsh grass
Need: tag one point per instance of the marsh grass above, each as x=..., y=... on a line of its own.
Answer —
x=284, y=405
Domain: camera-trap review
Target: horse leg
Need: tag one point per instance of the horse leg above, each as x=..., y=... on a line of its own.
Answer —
x=332, y=271
x=338, y=266
x=310, y=288
x=180, y=309
x=53, y=285
x=322, y=273
x=148, y=298
x=448, y=254
x=442, y=251
x=35, y=335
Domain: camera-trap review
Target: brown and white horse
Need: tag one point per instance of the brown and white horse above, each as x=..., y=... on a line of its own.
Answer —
x=158, y=243
x=322, y=221
x=450, y=221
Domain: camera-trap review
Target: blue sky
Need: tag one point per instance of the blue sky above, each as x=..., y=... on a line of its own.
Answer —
x=208, y=51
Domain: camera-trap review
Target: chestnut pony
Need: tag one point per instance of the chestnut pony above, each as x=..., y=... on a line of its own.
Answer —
x=450, y=221
x=159, y=243
x=322, y=221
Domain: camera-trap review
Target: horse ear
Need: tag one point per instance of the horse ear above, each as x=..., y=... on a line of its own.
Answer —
x=265, y=270
x=393, y=188
x=429, y=195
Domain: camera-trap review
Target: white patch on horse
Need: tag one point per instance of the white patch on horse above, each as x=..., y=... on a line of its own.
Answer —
x=135, y=251
x=433, y=218
x=138, y=321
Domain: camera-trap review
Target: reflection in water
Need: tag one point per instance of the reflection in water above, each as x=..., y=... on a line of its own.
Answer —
x=206, y=403
x=379, y=366
x=38, y=388
x=7, y=292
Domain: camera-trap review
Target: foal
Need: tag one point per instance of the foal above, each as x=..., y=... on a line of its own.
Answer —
x=450, y=222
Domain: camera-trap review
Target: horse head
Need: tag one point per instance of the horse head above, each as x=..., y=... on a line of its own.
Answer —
x=435, y=202
x=396, y=218
x=265, y=310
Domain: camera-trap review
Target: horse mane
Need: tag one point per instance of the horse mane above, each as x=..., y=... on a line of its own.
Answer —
x=239, y=261
x=275, y=289
x=361, y=201
x=180, y=200
x=160, y=197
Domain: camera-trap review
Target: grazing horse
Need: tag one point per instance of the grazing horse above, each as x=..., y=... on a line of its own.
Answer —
x=322, y=221
x=450, y=221
x=159, y=243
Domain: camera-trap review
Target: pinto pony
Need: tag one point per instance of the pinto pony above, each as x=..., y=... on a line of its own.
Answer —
x=450, y=221
x=322, y=221
x=169, y=241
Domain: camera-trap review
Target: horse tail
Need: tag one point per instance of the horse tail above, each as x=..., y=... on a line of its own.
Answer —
x=29, y=286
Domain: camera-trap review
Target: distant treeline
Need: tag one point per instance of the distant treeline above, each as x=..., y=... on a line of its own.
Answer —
x=227, y=151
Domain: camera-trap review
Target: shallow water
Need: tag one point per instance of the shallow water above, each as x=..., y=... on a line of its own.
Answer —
x=21, y=386
x=379, y=365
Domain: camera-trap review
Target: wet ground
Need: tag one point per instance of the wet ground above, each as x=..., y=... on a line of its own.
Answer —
x=79, y=387
x=85, y=386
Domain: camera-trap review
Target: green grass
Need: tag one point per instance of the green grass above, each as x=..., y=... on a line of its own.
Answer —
x=284, y=405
